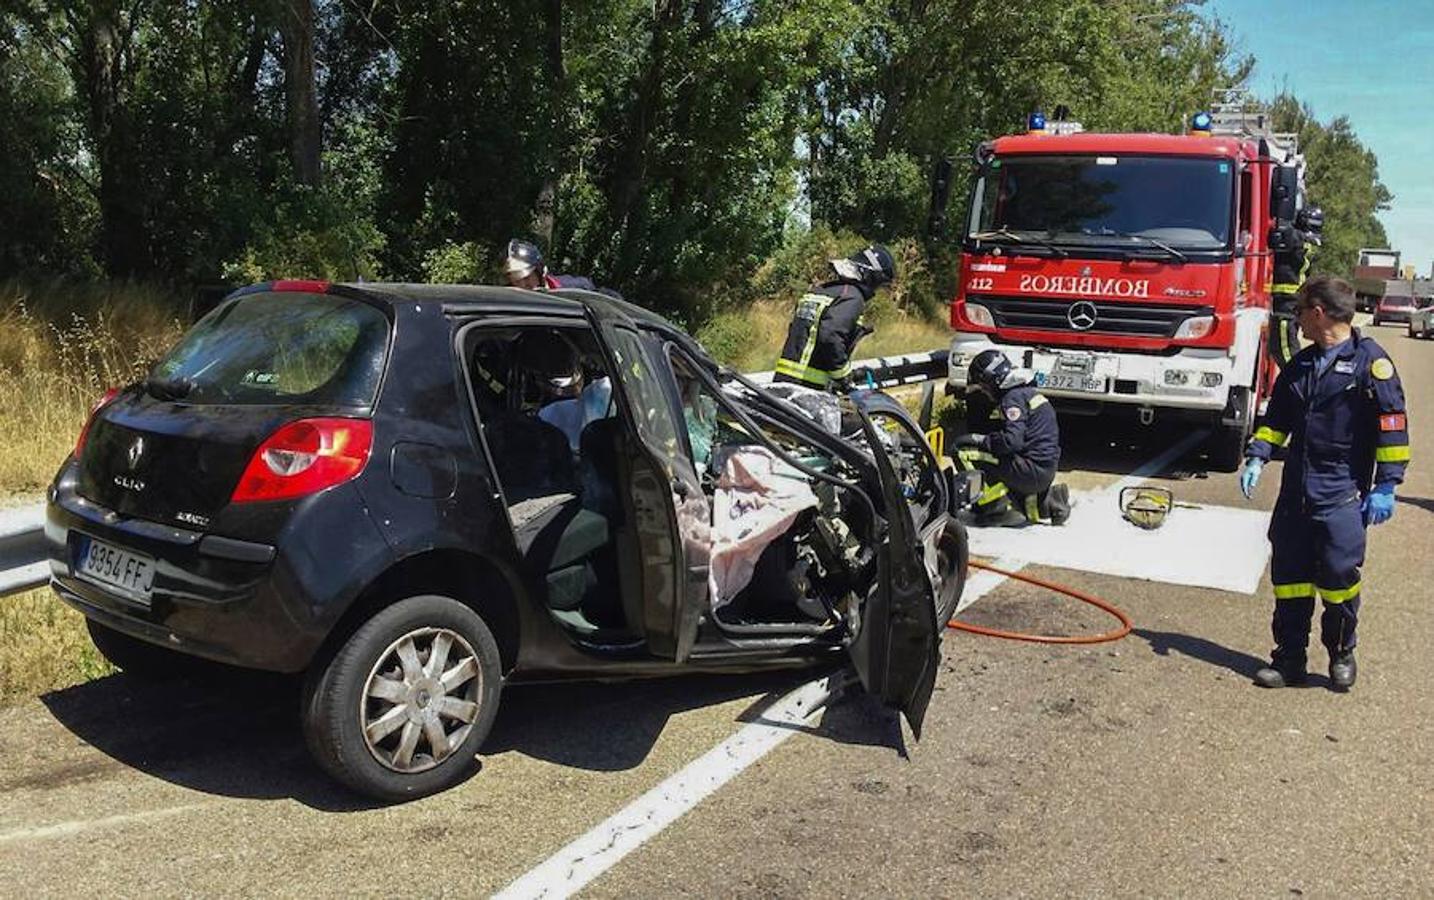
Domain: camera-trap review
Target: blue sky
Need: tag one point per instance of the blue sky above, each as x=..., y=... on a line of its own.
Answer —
x=1371, y=61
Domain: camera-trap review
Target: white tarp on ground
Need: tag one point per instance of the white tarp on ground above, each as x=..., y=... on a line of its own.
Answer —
x=1210, y=546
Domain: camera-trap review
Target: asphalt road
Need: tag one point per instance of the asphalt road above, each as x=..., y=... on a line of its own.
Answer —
x=1148, y=767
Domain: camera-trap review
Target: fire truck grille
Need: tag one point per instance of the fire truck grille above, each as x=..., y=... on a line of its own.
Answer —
x=1055, y=314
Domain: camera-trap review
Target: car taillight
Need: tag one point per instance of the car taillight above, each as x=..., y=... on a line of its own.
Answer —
x=305, y=457
x=90, y=420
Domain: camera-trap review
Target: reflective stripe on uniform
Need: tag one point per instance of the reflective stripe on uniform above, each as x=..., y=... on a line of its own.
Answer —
x=975, y=455
x=1033, y=509
x=804, y=373
x=1339, y=595
x=1392, y=453
x=1270, y=435
x=1285, y=289
x=1038, y=401
x=815, y=305
x=1296, y=591
x=992, y=493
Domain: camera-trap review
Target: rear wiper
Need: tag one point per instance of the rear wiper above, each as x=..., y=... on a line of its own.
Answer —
x=1149, y=240
x=1005, y=232
x=168, y=388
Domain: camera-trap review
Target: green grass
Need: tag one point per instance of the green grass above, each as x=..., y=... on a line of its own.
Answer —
x=44, y=646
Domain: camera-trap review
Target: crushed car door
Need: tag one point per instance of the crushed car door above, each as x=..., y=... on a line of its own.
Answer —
x=897, y=650
x=673, y=520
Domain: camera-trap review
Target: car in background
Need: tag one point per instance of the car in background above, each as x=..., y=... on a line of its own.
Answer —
x=414, y=495
x=1393, y=308
x=1421, y=318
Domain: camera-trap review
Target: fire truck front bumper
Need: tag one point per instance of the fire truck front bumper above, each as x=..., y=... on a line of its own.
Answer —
x=1196, y=380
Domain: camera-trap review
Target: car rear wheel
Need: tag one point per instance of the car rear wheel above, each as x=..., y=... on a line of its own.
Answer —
x=401, y=708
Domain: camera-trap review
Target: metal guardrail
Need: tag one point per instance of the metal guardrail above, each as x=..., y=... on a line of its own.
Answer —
x=24, y=563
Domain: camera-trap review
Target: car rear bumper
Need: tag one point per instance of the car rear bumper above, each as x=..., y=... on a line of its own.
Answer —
x=211, y=596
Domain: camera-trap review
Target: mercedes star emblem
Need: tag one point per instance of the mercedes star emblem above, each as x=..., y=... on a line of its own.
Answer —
x=1081, y=315
x=136, y=450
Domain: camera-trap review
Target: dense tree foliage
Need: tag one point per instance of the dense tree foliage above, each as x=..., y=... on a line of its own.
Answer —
x=1343, y=179
x=669, y=147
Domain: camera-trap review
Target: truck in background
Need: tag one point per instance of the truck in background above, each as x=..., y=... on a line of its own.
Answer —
x=1376, y=265
x=1131, y=272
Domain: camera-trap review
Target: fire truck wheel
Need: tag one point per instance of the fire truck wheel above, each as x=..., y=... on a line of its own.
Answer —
x=1227, y=445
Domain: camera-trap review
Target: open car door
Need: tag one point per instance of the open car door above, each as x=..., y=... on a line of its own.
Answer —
x=671, y=511
x=897, y=651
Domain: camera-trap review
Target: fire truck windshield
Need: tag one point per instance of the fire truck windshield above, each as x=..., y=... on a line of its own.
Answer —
x=1133, y=204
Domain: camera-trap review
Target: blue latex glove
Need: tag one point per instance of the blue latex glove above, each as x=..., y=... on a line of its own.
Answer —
x=1250, y=476
x=1378, y=505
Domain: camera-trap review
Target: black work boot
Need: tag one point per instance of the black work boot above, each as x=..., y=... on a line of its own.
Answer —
x=1342, y=670
x=1058, y=504
x=1282, y=673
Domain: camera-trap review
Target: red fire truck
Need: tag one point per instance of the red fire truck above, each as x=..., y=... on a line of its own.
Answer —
x=1130, y=271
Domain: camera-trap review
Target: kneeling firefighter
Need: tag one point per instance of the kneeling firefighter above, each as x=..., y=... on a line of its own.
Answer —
x=1015, y=444
x=828, y=321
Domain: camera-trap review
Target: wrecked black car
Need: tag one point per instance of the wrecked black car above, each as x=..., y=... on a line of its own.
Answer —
x=416, y=494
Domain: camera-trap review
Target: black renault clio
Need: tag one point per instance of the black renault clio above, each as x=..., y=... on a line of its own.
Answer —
x=415, y=494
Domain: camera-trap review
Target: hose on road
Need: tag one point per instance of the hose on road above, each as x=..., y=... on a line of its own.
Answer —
x=1114, y=635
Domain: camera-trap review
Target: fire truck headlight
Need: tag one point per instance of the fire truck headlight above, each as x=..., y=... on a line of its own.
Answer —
x=1211, y=379
x=1196, y=327
x=1177, y=377
x=980, y=315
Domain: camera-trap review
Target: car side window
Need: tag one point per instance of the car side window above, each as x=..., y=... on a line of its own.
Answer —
x=651, y=407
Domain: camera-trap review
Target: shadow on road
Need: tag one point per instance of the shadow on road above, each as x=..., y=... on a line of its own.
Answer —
x=1423, y=503
x=238, y=734
x=1091, y=444
x=1164, y=642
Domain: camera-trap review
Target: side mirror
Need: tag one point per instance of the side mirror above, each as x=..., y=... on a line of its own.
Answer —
x=1283, y=191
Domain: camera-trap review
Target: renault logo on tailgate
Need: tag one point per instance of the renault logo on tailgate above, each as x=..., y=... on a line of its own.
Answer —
x=1081, y=315
x=136, y=450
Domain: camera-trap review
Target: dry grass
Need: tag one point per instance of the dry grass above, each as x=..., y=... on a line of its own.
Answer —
x=61, y=347
x=749, y=340
x=43, y=647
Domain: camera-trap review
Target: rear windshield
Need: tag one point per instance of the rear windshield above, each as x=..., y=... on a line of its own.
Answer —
x=279, y=348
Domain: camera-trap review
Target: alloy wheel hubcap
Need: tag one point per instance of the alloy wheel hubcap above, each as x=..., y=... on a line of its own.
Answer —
x=420, y=699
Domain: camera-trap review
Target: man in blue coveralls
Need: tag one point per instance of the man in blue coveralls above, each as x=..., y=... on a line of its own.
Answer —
x=1339, y=408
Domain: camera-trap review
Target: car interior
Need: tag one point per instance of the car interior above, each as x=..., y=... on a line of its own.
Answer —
x=561, y=453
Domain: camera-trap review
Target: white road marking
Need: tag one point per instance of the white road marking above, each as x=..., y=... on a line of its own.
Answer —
x=568, y=870
x=574, y=866
x=65, y=829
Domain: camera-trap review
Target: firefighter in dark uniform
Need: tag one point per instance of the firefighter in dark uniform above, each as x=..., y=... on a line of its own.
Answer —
x=1339, y=408
x=1289, y=243
x=828, y=321
x=1014, y=440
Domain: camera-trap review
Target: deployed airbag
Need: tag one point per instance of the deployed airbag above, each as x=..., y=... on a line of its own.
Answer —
x=758, y=497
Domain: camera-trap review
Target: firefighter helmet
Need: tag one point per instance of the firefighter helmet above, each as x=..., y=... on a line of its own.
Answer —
x=1310, y=220
x=522, y=260
x=872, y=266
x=989, y=372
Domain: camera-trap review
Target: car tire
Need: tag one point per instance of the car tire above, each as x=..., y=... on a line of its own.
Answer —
x=953, y=557
x=382, y=717
x=138, y=658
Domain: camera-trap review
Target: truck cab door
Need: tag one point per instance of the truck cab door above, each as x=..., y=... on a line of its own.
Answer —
x=897, y=650
x=672, y=518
